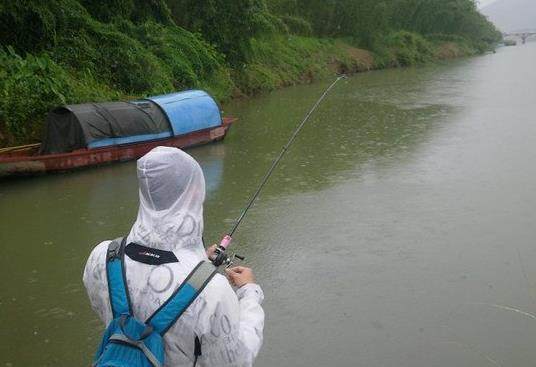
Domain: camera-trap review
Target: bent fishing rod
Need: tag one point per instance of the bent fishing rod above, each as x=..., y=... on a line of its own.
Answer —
x=220, y=256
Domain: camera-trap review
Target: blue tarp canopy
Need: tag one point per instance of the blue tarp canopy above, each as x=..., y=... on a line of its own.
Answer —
x=189, y=111
x=95, y=125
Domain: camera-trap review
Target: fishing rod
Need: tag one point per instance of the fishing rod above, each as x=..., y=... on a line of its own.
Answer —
x=220, y=256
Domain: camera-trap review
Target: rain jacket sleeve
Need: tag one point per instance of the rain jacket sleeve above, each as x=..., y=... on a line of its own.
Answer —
x=250, y=297
x=96, y=284
x=228, y=337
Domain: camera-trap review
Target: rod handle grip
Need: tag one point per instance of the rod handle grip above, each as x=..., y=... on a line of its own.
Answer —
x=226, y=241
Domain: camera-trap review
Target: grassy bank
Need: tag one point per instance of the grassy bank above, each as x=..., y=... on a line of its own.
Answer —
x=283, y=61
x=71, y=57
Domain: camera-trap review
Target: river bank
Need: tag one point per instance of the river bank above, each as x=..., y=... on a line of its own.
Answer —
x=275, y=62
x=77, y=51
x=282, y=62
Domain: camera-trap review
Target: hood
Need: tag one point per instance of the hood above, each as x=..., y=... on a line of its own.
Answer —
x=172, y=192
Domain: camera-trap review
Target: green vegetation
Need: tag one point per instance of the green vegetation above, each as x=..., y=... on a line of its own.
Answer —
x=71, y=51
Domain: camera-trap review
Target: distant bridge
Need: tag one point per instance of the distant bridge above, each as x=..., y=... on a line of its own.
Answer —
x=523, y=35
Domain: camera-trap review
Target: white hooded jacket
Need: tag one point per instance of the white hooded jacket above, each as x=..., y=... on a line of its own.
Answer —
x=170, y=217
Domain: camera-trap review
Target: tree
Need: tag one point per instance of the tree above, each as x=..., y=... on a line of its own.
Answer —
x=228, y=24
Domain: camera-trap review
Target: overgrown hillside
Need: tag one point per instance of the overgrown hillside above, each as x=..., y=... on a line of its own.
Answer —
x=71, y=51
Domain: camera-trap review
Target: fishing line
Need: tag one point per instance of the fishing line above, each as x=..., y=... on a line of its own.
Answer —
x=220, y=257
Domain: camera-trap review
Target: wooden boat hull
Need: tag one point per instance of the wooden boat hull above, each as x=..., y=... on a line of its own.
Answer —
x=21, y=163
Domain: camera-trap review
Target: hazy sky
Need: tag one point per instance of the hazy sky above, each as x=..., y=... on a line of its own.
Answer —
x=485, y=2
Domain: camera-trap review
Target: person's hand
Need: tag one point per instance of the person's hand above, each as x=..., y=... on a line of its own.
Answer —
x=240, y=275
x=211, y=251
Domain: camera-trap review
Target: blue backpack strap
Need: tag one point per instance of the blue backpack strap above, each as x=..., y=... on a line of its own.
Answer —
x=117, y=282
x=167, y=314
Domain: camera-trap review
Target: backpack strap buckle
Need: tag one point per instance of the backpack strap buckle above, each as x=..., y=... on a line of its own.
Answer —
x=114, y=249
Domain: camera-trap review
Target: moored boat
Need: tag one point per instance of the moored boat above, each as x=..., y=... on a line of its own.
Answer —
x=97, y=133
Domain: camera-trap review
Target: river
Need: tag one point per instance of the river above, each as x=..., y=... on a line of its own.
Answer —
x=400, y=229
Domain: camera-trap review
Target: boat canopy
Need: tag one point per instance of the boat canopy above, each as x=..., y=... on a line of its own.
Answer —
x=189, y=111
x=95, y=125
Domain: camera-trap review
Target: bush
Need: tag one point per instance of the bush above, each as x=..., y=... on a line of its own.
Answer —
x=229, y=25
x=29, y=87
x=107, y=10
x=32, y=26
x=279, y=61
x=135, y=10
x=187, y=57
x=441, y=37
x=127, y=64
x=409, y=48
x=297, y=25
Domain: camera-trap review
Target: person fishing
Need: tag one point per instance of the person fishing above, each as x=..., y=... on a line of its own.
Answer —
x=133, y=283
x=163, y=247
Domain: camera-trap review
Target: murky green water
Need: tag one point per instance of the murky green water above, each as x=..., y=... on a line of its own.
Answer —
x=396, y=232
